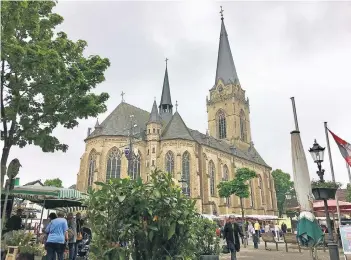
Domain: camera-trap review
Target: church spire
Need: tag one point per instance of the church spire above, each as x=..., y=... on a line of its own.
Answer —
x=154, y=116
x=225, y=64
x=166, y=102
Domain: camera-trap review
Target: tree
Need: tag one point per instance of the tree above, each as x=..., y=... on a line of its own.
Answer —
x=238, y=186
x=54, y=183
x=45, y=79
x=283, y=186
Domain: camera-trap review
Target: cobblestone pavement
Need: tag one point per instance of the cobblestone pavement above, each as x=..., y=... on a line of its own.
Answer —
x=262, y=254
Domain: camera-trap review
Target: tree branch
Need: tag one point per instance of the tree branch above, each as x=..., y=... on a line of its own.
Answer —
x=3, y=114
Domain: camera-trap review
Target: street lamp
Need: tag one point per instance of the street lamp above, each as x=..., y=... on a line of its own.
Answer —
x=317, y=153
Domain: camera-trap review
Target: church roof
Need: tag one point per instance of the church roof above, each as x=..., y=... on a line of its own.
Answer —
x=154, y=116
x=166, y=93
x=118, y=122
x=176, y=129
x=225, y=64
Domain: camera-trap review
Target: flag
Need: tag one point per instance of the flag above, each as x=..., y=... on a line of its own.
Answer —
x=308, y=231
x=344, y=147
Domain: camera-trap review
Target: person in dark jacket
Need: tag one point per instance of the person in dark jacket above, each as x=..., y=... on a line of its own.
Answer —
x=231, y=234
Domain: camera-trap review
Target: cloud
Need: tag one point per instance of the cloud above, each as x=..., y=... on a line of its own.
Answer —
x=280, y=49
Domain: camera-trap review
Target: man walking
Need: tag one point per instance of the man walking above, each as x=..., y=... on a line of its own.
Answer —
x=72, y=236
x=57, y=235
x=231, y=234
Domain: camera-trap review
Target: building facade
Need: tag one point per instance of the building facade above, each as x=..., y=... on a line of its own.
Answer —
x=162, y=140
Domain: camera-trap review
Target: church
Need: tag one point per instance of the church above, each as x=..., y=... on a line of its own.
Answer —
x=133, y=142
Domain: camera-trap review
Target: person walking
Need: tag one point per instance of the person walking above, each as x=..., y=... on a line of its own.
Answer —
x=72, y=236
x=284, y=228
x=79, y=225
x=277, y=231
x=57, y=236
x=231, y=234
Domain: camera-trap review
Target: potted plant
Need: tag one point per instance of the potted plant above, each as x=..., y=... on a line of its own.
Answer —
x=206, y=242
x=27, y=250
x=324, y=190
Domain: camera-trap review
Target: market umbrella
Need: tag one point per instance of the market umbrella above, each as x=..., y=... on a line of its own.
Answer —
x=309, y=232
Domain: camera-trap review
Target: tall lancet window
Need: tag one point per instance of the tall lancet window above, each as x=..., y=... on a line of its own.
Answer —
x=91, y=168
x=212, y=174
x=186, y=173
x=260, y=186
x=222, y=125
x=136, y=167
x=169, y=162
x=243, y=131
x=226, y=178
x=251, y=194
x=113, y=167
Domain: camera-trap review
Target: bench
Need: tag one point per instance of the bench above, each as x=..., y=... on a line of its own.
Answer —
x=291, y=239
x=269, y=238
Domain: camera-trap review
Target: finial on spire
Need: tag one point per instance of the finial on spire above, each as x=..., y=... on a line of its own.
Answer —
x=221, y=12
x=166, y=60
x=176, y=105
x=154, y=98
x=122, y=95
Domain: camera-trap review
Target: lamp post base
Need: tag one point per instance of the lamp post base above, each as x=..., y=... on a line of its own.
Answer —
x=333, y=251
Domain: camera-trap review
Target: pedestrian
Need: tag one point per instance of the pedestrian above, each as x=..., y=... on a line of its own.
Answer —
x=284, y=228
x=72, y=236
x=79, y=225
x=277, y=231
x=57, y=237
x=231, y=235
x=15, y=222
x=255, y=238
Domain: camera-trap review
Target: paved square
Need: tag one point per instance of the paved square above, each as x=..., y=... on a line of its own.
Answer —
x=262, y=254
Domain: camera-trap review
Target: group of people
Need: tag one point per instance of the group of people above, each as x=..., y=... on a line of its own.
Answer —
x=61, y=232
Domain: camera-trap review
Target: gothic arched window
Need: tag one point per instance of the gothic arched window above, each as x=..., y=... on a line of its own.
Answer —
x=243, y=131
x=91, y=168
x=136, y=167
x=186, y=173
x=260, y=186
x=169, y=162
x=226, y=178
x=222, y=125
x=251, y=194
x=113, y=167
x=212, y=174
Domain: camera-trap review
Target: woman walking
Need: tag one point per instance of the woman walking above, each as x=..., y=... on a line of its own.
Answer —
x=57, y=237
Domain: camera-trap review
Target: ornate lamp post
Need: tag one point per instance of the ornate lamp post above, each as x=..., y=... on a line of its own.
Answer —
x=317, y=153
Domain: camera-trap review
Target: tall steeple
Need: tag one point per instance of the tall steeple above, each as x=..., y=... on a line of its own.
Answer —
x=225, y=64
x=166, y=106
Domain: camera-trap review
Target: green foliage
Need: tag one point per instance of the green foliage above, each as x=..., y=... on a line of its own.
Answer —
x=46, y=81
x=54, y=183
x=203, y=238
x=24, y=242
x=283, y=186
x=238, y=186
x=326, y=184
x=155, y=218
x=348, y=193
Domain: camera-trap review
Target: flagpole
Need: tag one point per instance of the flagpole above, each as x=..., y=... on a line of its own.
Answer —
x=348, y=171
x=332, y=170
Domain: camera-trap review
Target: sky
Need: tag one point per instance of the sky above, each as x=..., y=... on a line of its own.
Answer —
x=280, y=50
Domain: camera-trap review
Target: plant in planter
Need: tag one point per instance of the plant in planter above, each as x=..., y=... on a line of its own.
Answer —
x=26, y=248
x=324, y=190
x=205, y=243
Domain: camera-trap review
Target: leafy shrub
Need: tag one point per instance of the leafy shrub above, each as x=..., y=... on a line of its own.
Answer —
x=325, y=184
x=153, y=218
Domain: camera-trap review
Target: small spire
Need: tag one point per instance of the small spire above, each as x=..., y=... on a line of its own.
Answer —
x=97, y=125
x=122, y=95
x=154, y=115
x=176, y=105
x=166, y=60
x=221, y=12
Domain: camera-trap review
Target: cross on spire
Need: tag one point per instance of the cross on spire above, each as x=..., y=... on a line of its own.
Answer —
x=122, y=95
x=221, y=12
x=166, y=60
x=176, y=105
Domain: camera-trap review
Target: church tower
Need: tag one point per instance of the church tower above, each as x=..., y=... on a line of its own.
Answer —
x=166, y=107
x=227, y=107
x=153, y=133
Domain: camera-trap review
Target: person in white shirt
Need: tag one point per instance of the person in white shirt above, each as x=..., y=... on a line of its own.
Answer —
x=277, y=231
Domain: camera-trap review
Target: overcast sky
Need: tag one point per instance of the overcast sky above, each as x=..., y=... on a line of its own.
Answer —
x=280, y=49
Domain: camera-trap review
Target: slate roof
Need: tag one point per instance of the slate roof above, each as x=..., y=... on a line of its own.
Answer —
x=166, y=92
x=226, y=70
x=176, y=129
x=118, y=122
x=154, y=116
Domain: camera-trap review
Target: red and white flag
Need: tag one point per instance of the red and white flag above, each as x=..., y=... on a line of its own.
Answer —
x=344, y=147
